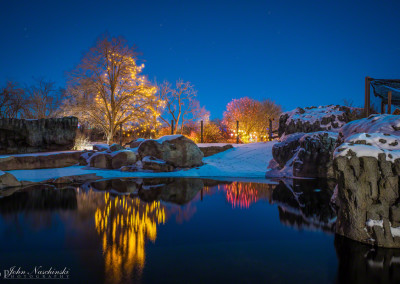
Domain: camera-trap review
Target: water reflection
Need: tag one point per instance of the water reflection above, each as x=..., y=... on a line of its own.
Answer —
x=124, y=225
x=242, y=195
x=121, y=217
x=361, y=263
x=305, y=204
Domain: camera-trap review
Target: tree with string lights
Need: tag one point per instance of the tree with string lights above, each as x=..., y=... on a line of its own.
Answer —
x=107, y=90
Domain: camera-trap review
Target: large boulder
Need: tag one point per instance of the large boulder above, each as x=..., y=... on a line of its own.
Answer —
x=101, y=161
x=135, y=143
x=367, y=167
x=304, y=155
x=8, y=180
x=39, y=161
x=375, y=123
x=37, y=135
x=116, y=147
x=314, y=155
x=156, y=165
x=176, y=150
x=123, y=158
x=284, y=150
x=313, y=119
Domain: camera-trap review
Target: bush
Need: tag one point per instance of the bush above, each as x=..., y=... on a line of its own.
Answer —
x=82, y=142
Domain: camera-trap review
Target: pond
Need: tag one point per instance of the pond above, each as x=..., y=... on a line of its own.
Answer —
x=185, y=231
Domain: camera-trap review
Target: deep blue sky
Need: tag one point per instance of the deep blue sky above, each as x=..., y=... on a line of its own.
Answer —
x=297, y=53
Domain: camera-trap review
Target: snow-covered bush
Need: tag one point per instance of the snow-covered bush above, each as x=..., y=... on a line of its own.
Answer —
x=82, y=142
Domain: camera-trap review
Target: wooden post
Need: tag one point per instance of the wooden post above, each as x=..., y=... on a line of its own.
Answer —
x=382, y=107
x=237, y=132
x=120, y=134
x=367, y=95
x=201, y=131
x=172, y=127
x=389, y=111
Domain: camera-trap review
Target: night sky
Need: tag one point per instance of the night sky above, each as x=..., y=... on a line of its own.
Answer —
x=297, y=53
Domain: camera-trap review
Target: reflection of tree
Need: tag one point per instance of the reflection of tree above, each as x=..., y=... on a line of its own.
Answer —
x=242, y=195
x=124, y=225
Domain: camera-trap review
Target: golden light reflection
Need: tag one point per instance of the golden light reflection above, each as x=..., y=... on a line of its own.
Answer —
x=124, y=225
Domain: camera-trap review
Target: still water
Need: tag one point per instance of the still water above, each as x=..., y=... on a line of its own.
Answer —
x=185, y=231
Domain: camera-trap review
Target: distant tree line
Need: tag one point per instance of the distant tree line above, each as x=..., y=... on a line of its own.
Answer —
x=42, y=99
x=109, y=94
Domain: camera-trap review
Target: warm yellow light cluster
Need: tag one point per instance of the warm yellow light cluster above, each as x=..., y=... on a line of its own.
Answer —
x=124, y=225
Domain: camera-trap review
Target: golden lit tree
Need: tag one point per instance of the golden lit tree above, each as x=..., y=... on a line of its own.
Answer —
x=107, y=89
x=253, y=117
x=180, y=105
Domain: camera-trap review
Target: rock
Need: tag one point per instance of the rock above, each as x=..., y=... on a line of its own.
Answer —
x=284, y=150
x=100, y=147
x=40, y=161
x=212, y=150
x=376, y=123
x=156, y=165
x=41, y=135
x=368, y=198
x=75, y=178
x=116, y=147
x=135, y=143
x=304, y=155
x=314, y=156
x=123, y=158
x=176, y=150
x=101, y=161
x=313, y=119
x=8, y=180
x=84, y=158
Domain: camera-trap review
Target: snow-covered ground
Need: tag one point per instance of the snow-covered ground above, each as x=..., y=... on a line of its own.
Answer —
x=243, y=161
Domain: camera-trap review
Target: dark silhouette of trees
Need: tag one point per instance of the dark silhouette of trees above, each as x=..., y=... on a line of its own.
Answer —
x=12, y=100
x=180, y=104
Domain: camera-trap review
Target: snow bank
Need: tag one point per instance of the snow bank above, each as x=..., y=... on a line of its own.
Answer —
x=243, y=161
x=370, y=145
x=376, y=123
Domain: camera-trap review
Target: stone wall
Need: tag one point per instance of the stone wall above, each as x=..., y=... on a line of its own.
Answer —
x=41, y=135
x=368, y=199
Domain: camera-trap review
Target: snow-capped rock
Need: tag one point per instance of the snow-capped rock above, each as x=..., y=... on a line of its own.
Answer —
x=304, y=155
x=375, y=123
x=313, y=119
